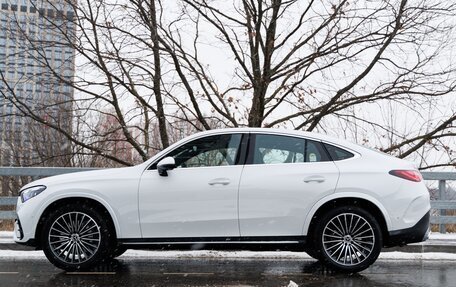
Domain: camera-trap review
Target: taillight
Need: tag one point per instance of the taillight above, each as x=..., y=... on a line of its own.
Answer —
x=412, y=175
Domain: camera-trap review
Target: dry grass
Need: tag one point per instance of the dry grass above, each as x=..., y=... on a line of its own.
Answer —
x=6, y=224
x=451, y=228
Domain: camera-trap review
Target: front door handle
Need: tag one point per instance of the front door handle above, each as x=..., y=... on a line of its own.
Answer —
x=221, y=181
x=314, y=178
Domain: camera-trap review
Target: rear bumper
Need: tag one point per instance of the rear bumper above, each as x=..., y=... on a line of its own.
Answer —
x=417, y=233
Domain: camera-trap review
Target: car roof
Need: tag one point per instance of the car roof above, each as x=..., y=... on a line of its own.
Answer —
x=311, y=135
x=342, y=143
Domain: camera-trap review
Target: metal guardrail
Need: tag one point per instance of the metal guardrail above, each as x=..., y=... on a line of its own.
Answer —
x=35, y=172
x=442, y=204
x=5, y=201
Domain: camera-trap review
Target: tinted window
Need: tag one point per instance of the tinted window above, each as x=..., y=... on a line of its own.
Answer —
x=315, y=152
x=272, y=149
x=338, y=153
x=216, y=150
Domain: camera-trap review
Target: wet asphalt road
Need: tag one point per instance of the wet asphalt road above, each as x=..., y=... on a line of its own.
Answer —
x=226, y=272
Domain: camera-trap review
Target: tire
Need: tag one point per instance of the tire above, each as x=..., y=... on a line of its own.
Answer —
x=312, y=252
x=349, y=239
x=117, y=251
x=76, y=236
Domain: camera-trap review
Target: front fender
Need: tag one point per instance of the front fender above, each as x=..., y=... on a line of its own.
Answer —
x=81, y=194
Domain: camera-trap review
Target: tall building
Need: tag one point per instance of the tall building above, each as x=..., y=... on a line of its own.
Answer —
x=36, y=65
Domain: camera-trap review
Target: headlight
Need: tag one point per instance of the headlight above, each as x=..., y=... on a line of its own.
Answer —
x=30, y=192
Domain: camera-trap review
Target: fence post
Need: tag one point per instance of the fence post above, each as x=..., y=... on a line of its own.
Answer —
x=442, y=196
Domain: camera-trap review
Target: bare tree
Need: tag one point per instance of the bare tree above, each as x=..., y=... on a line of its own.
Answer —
x=365, y=70
x=312, y=64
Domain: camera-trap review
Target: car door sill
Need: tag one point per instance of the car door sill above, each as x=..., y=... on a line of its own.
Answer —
x=217, y=243
x=234, y=239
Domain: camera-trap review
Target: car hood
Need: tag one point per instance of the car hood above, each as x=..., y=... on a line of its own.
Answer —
x=83, y=176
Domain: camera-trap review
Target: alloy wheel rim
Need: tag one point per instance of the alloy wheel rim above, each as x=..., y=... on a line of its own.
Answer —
x=74, y=237
x=348, y=239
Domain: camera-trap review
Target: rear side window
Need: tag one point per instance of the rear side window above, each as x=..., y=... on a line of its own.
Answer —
x=315, y=152
x=338, y=153
x=275, y=149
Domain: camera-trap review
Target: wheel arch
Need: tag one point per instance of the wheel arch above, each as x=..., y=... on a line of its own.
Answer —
x=369, y=204
x=96, y=203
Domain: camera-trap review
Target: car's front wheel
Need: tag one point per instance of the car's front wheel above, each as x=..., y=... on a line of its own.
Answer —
x=76, y=237
x=118, y=251
x=349, y=239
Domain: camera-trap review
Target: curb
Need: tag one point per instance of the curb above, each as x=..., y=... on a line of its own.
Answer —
x=14, y=246
x=426, y=247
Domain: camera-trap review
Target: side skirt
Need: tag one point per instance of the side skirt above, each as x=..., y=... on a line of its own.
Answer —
x=269, y=243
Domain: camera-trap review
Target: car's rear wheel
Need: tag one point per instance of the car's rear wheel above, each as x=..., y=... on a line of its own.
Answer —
x=313, y=252
x=76, y=237
x=349, y=239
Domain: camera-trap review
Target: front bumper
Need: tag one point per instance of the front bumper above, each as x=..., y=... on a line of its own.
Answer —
x=417, y=233
x=18, y=229
x=19, y=235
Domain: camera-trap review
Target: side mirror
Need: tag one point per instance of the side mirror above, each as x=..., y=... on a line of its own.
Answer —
x=165, y=164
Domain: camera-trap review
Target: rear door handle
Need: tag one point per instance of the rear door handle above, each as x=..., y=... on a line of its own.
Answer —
x=221, y=181
x=314, y=178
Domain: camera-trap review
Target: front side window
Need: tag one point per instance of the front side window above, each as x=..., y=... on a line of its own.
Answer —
x=217, y=150
x=275, y=149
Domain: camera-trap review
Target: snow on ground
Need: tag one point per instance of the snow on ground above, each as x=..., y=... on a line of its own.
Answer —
x=145, y=254
x=438, y=256
x=6, y=234
x=6, y=237
x=442, y=236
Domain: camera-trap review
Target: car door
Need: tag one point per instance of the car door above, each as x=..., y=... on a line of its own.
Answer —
x=199, y=197
x=282, y=179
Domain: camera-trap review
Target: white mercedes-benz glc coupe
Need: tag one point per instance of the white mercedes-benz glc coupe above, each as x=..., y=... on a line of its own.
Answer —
x=246, y=188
